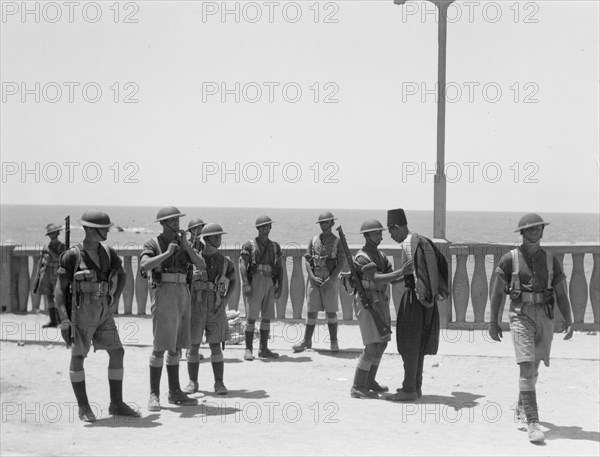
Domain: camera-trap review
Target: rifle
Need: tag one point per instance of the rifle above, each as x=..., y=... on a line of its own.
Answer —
x=69, y=292
x=384, y=330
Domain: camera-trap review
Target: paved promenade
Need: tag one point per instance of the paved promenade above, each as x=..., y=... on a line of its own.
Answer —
x=300, y=403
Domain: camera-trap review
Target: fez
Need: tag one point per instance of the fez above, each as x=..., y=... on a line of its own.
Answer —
x=396, y=217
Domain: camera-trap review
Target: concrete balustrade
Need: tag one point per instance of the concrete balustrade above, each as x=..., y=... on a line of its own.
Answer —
x=472, y=275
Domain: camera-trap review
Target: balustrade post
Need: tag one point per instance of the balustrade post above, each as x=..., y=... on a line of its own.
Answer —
x=578, y=290
x=595, y=288
x=23, y=285
x=35, y=298
x=6, y=290
x=460, y=289
x=141, y=290
x=129, y=289
x=479, y=286
x=297, y=287
x=281, y=302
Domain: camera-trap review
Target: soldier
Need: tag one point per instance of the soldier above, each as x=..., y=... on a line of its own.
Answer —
x=533, y=278
x=211, y=288
x=96, y=276
x=324, y=261
x=376, y=273
x=418, y=320
x=47, y=273
x=166, y=261
x=195, y=227
x=260, y=268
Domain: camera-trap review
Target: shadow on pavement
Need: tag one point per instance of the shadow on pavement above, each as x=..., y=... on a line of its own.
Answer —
x=285, y=358
x=135, y=422
x=342, y=354
x=240, y=394
x=458, y=401
x=569, y=432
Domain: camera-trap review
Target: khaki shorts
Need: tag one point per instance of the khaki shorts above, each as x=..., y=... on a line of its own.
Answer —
x=206, y=316
x=171, y=317
x=323, y=299
x=532, y=333
x=368, y=329
x=261, y=301
x=93, y=322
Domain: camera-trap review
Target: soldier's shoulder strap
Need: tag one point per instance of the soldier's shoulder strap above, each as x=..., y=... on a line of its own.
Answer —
x=550, y=267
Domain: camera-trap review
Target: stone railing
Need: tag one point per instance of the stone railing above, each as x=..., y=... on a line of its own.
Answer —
x=472, y=275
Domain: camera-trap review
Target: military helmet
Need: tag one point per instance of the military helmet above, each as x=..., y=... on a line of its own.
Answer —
x=167, y=213
x=530, y=220
x=96, y=219
x=212, y=229
x=51, y=228
x=371, y=225
x=326, y=216
x=262, y=220
x=195, y=223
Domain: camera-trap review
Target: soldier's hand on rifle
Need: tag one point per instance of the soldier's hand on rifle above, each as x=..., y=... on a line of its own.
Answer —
x=495, y=331
x=65, y=330
x=568, y=330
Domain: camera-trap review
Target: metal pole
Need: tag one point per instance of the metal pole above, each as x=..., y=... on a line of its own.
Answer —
x=439, y=187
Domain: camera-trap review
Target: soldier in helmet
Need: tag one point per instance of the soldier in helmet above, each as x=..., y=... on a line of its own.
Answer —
x=211, y=288
x=324, y=261
x=418, y=320
x=376, y=273
x=47, y=273
x=94, y=273
x=533, y=278
x=195, y=227
x=166, y=261
x=261, y=272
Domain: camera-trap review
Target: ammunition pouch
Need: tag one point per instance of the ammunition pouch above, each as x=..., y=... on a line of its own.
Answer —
x=348, y=282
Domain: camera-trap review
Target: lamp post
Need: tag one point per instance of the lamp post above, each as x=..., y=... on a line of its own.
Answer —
x=439, y=186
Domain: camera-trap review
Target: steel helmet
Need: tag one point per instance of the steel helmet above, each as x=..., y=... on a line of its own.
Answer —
x=326, y=216
x=263, y=220
x=530, y=220
x=195, y=223
x=167, y=213
x=212, y=229
x=371, y=225
x=96, y=219
x=51, y=228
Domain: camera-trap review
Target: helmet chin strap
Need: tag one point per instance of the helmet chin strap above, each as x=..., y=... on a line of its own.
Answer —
x=103, y=238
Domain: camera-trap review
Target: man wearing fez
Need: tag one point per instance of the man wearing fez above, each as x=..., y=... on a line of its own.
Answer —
x=418, y=321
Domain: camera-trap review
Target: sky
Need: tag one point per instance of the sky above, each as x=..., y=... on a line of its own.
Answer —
x=299, y=104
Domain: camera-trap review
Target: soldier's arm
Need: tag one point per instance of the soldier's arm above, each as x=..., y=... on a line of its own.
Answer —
x=562, y=300
x=232, y=282
x=60, y=291
x=121, y=281
x=496, y=299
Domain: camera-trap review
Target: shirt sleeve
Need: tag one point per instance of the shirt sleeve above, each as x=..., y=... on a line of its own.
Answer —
x=230, y=273
x=387, y=264
x=67, y=266
x=504, y=268
x=559, y=274
x=149, y=249
x=115, y=262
